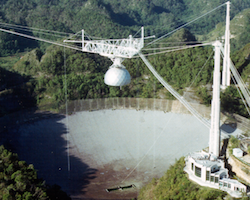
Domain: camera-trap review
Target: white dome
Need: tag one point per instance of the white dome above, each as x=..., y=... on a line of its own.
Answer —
x=117, y=76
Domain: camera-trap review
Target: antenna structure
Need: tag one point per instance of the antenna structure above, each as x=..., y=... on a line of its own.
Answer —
x=112, y=48
x=117, y=50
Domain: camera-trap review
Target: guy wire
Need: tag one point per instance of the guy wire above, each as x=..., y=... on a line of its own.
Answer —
x=66, y=110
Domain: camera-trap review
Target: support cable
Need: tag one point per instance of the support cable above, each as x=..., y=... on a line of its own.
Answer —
x=137, y=33
x=193, y=43
x=43, y=31
x=201, y=69
x=40, y=39
x=34, y=31
x=154, y=121
x=162, y=48
x=242, y=98
x=182, y=26
x=66, y=111
x=38, y=29
x=177, y=95
x=172, y=50
x=240, y=82
x=241, y=85
x=168, y=26
x=148, y=150
x=189, y=42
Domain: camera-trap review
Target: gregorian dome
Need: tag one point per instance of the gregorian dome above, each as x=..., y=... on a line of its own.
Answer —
x=117, y=75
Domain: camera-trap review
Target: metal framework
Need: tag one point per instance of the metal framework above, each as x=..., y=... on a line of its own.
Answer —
x=113, y=48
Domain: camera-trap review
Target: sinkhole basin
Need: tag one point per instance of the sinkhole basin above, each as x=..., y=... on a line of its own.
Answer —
x=89, y=152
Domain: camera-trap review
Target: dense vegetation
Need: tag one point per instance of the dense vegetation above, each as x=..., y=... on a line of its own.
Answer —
x=175, y=185
x=19, y=181
x=111, y=18
x=85, y=72
x=42, y=73
x=230, y=98
x=40, y=78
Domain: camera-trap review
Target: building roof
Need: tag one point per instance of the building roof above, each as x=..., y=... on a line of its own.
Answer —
x=206, y=163
x=206, y=159
x=238, y=150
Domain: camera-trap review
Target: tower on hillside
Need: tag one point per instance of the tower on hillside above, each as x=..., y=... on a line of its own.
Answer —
x=226, y=61
x=207, y=169
x=214, y=136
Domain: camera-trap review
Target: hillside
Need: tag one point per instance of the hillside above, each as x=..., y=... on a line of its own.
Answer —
x=43, y=68
x=19, y=180
x=239, y=29
x=42, y=74
x=175, y=185
x=108, y=18
x=85, y=74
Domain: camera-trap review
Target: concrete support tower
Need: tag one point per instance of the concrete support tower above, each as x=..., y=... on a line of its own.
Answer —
x=226, y=62
x=214, y=137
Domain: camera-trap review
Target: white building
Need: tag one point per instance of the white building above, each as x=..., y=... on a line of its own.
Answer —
x=206, y=170
x=237, y=152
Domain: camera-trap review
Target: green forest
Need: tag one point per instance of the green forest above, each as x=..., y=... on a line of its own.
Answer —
x=19, y=181
x=111, y=18
x=38, y=75
x=41, y=79
x=175, y=185
x=38, y=69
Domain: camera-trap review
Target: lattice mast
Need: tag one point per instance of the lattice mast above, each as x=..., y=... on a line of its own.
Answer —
x=226, y=62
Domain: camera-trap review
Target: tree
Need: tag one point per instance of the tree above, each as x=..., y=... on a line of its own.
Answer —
x=175, y=185
x=18, y=180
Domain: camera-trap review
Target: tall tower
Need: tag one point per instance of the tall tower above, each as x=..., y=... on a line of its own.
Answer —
x=214, y=136
x=226, y=62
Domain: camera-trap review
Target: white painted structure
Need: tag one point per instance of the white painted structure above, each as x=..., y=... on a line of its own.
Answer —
x=206, y=168
x=237, y=152
x=117, y=75
x=112, y=48
x=214, y=137
x=209, y=171
x=226, y=62
x=117, y=50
